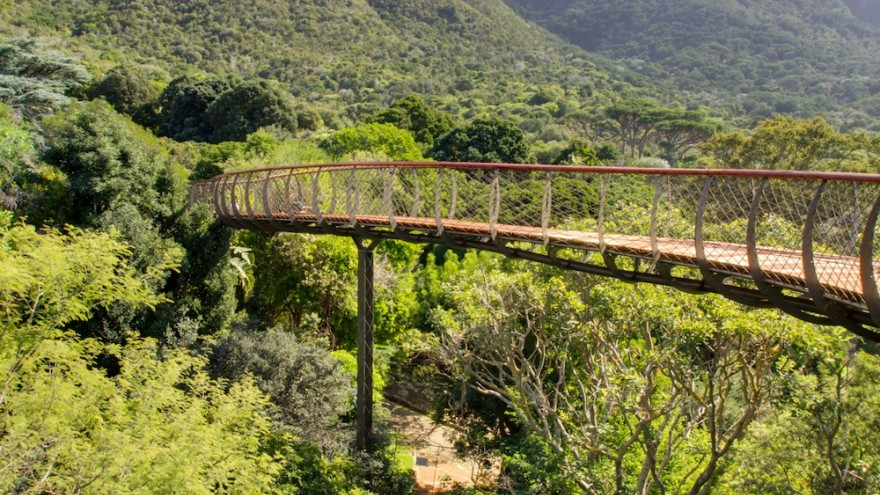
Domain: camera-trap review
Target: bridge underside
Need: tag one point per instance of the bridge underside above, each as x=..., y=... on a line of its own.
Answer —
x=721, y=268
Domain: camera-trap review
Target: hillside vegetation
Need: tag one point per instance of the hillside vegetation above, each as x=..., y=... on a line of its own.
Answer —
x=469, y=56
x=758, y=58
x=743, y=59
x=146, y=348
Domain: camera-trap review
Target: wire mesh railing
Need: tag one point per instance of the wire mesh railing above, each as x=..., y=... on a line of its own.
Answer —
x=804, y=242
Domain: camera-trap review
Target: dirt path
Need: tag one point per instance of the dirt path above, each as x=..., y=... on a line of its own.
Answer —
x=437, y=466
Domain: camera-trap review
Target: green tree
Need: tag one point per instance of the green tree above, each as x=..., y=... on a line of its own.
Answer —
x=591, y=125
x=413, y=114
x=148, y=425
x=37, y=82
x=183, y=107
x=397, y=144
x=118, y=176
x=309, y=389
x=308, y=118
x=839, y=395
x=130, y=92
x=546, y=94
x=682, y=131
x=305, y=284
x=674, y=131
x=490, y=140
x=249, y=106
x=821, y=439
x=576, y=153
x=17, y=160
x=631, y=389
x=785, y=143
x=202, y=292
x=635, y=118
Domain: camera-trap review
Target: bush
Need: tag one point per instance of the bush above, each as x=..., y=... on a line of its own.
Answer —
x=308, y=387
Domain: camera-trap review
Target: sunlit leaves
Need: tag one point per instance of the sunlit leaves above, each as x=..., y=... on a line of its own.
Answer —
x=149, y=426
x=50, y=280
x=37, y=81
x=397, y=144
x=784, y=143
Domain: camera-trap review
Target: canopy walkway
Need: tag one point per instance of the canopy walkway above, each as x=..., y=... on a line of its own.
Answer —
x=803, y=242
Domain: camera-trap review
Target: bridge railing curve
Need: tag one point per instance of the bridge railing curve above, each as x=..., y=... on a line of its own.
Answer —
x=805, y=242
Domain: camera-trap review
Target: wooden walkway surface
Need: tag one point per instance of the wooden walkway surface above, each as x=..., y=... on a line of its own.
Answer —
x=839, y=275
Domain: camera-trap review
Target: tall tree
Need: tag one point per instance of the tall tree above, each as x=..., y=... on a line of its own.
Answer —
x=635, y=119
x=490, y=140
x=118, y=176
x=108, y=162
x=674, y=131
x=679, y=134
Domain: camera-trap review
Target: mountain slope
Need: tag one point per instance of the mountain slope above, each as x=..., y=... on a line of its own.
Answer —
x=792, y=56
x=266, y=34
x=470, y=55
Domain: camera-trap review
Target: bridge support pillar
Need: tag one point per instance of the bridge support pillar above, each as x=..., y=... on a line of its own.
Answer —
x=364, y=403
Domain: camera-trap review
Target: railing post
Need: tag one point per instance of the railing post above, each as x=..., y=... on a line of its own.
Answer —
x=364, y=403
x=867, y=267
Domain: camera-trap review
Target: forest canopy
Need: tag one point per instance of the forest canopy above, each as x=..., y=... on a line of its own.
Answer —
x=147, y=348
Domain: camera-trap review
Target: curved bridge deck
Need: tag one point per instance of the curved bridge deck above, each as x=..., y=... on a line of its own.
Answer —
x=802, y=242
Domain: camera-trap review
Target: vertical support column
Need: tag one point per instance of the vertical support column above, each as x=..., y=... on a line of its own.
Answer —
x=364, y=403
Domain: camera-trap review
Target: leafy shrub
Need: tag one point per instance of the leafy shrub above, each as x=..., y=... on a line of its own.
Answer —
x=309, y=388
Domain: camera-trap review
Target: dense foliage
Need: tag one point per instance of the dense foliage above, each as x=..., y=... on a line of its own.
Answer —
x=483, y=140
x=783, y=143
x=145, y=348
x=70, y=426
x=309, y=388
x=129, y=90
x=413, y=114
x=759, y=58
x=361, y=53
x=35, y=81
x=385, y=139
x=619, y=389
